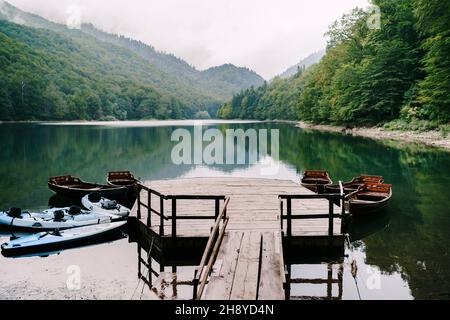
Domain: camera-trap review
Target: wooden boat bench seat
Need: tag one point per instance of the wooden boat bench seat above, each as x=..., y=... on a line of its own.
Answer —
x=371, y=196
x=316, y=180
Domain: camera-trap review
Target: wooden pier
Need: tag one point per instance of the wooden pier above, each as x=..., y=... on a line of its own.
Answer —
x=242, y=227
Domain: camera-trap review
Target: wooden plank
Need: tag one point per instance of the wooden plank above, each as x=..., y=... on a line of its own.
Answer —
x=254, y=211
x=272, y=268
x=221, y=280
x=245, y=284
x=254, y=206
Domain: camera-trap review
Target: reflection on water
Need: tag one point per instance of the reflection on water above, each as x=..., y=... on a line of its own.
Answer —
x=364, y=227
x=408, y=245
x=343, y=278
x=164, y=279
x=320, y=281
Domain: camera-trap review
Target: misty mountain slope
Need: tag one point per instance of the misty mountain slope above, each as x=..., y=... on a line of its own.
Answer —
x=167, y=62
x=233, y=76
x=307, y=62
x=219, y=84
x=46, y=75
x=222, y=81
x=13, y=14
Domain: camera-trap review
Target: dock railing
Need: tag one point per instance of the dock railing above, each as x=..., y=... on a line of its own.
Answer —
x=332, y=198
x=158, y=210
x=201, y=274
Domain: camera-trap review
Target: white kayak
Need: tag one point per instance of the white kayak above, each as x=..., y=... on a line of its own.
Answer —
x=59, y=239
x=96, y=203
x=57, y=218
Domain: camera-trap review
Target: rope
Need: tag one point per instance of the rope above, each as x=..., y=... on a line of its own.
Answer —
x=354, y=265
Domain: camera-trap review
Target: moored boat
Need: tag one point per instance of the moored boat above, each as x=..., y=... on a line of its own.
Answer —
x=354, y=185
x=98, y=204
x=316, y=180
x=121, y=178
x=368, y=199
x=56, y=218
x=58, y=240
x=74, y=187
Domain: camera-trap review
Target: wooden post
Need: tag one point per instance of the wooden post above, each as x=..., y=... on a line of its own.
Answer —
x=330, y=281
x=342, y=199
x=149, y=203
x=139, y=262
x=289, y=217
x=225, y=211
x=331, y=220
x=217, y=208
x=281, y=213
x=287, y=288
x=139, y=204
x=161, y=213
x=195, y=284
x=174, y=218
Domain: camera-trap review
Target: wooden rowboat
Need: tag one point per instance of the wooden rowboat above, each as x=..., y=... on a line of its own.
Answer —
x=370, y=198
x=73, y=187
x=355, y=184
x=316, y=180
x=121, y=179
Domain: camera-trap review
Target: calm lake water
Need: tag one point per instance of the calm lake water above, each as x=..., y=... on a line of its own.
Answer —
x=401, y=254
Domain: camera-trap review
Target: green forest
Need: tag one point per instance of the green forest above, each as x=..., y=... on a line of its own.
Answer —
x=398, y=73
x=51, y=72
x=47, y=76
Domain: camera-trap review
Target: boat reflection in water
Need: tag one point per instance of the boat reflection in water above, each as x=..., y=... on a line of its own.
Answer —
x=364, y=227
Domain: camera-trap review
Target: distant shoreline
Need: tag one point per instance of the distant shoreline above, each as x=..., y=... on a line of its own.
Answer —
x=429, y=138
x=120, y=123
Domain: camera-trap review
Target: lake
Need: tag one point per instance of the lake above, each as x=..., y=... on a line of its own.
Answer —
x=400, y=254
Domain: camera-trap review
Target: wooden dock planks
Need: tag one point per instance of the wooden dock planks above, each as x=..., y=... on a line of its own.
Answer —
x=254, y=206
x=272, y=268
x=250, y=263
x=245, y=284
x=222, y=279
x=249, y=267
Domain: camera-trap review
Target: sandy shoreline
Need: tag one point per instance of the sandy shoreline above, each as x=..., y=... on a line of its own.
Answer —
x=430, y=138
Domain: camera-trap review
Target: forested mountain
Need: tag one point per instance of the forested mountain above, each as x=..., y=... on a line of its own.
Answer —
x=49, y=71
x=305, y=63
x=221, y=81
x=44, y=75
x=369, y=75
x=228, y=78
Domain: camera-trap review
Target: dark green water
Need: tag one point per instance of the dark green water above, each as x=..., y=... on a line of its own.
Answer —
x=408, y=244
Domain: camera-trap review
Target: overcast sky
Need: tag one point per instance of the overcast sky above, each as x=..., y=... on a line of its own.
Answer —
x=267, y=36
